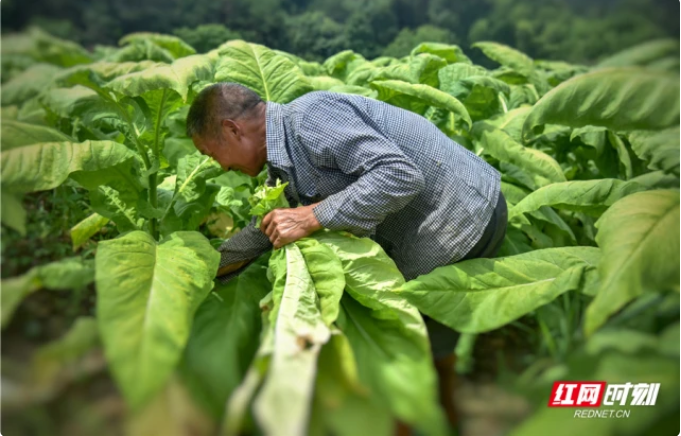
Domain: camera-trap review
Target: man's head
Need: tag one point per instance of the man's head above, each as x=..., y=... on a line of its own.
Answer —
x=226, y=121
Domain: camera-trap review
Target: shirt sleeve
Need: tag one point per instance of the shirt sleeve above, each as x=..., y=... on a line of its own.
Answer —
x=249, y=244
x=338, y=135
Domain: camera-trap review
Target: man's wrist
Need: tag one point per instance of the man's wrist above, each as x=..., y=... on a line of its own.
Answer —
x=313, y=222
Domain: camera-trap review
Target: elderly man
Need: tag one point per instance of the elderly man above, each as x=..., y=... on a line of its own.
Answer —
x=359, y=165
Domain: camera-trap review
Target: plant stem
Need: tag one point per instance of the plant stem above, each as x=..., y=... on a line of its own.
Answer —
x=153, y=200
x=153, y=197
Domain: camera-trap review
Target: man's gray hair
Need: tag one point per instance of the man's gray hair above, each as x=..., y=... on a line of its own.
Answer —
x=217, y=102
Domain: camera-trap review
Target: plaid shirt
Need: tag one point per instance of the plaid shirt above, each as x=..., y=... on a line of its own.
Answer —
x=379, y=171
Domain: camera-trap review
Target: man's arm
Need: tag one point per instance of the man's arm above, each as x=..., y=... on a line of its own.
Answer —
x=240, y=250
x=243, y=248
x=339, y=136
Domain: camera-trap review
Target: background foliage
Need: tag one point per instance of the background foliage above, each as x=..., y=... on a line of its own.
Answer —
x=575, y=31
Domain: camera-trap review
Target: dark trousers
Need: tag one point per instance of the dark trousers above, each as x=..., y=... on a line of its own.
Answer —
x=443, y=339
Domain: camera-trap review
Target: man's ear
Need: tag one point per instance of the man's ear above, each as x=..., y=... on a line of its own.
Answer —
x=231, y=127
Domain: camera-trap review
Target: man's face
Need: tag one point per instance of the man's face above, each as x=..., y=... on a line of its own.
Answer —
x=239, y=145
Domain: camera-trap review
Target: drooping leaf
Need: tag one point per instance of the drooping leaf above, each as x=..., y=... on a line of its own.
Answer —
x=660, y=149
x=342, y=63
x=639, y=236
x=417, y=98
x=147, y=295
x=28, y=84
x=450, y=52
x=43, y=166
x=616, y=98
x=87, y=228
x=13, y=212
x=420, y=69
x=501, y=146
x=80, y=339
x=324, y=83
x=97, y=74
x=139, y=51
x=17, y=134
x=341, y=405
x=282, y=406
x=593, y=196
x=511, y=122
x=40, y=46
x=397, y=373
x=358, y=90
x=643, y=54
x=507, y=56
x=479, y=295
x=274, y=77
x=65, y=274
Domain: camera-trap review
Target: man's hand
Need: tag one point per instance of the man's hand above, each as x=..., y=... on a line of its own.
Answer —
x=283, y=226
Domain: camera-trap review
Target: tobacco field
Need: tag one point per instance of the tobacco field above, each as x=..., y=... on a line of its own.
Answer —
x=113, y=322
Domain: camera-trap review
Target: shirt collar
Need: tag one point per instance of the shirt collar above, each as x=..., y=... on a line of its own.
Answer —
x=275, y=133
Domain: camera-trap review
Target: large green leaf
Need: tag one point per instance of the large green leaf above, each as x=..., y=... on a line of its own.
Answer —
x=479, y=295
x=660, y=149
x=541, y=167
x=17, y=134
x=222, y=345
x=642, y=54
x=418, y=98
x=616, y=98
x=177, y=76
x=639, y=236
x=147, y=293
x=593, y=196
x=282, y=406
x=173, y=44
x=43, y=166
x=272, y=76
